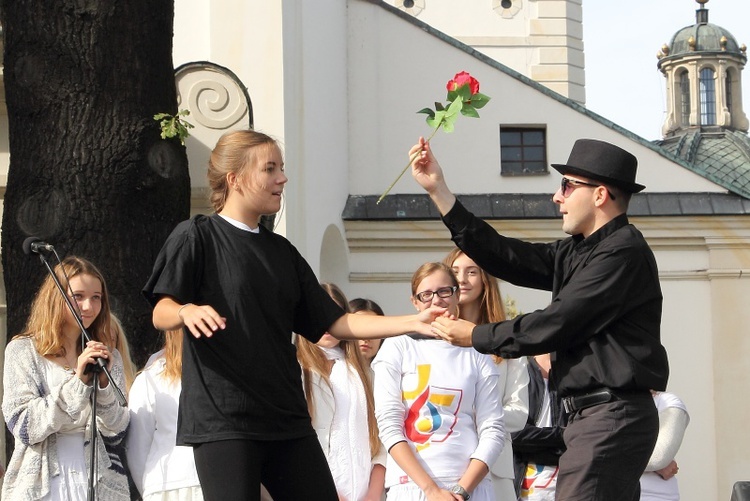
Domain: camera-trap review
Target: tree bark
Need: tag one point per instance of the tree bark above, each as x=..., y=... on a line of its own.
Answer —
x=89, y=172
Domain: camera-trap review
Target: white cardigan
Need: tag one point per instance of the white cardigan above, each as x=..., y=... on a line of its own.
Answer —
x=34, y=412
x=322, y=421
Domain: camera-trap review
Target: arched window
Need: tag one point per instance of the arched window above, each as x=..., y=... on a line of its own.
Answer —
x=685, y=98
x=708, y=97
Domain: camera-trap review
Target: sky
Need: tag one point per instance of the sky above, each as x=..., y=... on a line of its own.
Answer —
x=621, y=39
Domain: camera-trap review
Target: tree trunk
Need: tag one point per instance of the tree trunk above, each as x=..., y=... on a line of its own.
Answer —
x=89, y=172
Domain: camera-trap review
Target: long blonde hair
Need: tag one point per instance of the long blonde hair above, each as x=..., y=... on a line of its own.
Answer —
x=234, y=153
x=491, y=303
x=312, y=359
x=173, y=355
x=119, y=341
x=47, y=319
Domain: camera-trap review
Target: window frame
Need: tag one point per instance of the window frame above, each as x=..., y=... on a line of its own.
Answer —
x=525, y=147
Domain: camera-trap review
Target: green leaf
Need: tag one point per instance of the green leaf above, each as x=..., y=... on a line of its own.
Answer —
x=452, y=95
x=448, y=123
x=465, y=92
x=454, y=108
x=439, y=106
x=435, y=121
x=427, y=111
x=174, y=126
x=478, y=100
x=469, y=111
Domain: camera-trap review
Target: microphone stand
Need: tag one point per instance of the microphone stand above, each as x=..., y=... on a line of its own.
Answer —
x=96, y=368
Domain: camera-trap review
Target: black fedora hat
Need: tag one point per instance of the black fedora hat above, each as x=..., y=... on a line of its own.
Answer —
x=604, y=162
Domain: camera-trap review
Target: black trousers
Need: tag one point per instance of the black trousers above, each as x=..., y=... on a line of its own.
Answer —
x=608, y=448
x=289, y=469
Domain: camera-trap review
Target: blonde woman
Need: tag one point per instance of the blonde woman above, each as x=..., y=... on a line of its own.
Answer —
x=338, y=387
x=161, y=470
x=47, y=390
x=240, y=291
x=438, y=406
x=480, y=303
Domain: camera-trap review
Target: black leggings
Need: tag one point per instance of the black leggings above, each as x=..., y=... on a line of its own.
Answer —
x=290, y=470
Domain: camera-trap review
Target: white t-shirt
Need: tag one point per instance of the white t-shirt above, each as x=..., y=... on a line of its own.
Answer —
x=442, y=400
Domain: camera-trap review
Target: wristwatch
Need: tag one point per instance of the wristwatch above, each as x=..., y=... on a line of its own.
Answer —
x=457, y=489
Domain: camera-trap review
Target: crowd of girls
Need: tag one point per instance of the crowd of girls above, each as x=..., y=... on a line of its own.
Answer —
x=311, y=396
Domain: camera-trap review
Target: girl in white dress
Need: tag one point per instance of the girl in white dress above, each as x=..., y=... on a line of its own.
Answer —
x=47, y=390
x=338, y=387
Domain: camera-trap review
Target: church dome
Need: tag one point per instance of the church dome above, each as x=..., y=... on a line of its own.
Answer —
x=702, y=38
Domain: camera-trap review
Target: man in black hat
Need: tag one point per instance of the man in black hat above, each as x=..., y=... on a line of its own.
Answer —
x=603, y=324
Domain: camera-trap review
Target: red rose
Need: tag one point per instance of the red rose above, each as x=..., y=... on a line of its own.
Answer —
x=463, y=78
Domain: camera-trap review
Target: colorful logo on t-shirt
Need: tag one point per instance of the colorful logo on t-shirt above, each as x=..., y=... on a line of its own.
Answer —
x=539, y=482
x=431, y=411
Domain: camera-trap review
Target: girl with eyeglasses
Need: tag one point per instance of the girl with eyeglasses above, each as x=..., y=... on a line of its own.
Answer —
x=437, y=406
x=480, y=303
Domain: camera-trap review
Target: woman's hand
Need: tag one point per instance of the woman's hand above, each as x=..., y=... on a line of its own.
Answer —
x=435, y=493
x=93, y=350
x=201, y=320
x=455, y=331
x=426, y=317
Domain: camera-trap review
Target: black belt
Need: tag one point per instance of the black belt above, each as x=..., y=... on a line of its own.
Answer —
x=576, y=403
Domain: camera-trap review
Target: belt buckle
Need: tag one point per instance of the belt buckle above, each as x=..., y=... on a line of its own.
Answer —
x=567, y=403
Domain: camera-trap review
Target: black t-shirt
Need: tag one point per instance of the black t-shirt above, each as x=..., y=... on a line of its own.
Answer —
x=244, y=382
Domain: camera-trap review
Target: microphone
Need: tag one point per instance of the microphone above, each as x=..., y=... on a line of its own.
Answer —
x=37, y=246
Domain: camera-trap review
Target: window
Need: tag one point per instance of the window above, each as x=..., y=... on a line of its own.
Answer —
x=523, y=151
x=685, y=98
x=708, y=97
x=728, y=87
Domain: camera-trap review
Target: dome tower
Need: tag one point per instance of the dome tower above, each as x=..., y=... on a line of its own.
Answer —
x=703, y=65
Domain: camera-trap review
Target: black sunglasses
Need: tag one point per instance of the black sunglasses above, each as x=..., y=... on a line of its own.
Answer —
x=567, y=185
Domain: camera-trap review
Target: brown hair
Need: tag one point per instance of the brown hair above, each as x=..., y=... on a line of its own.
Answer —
x=428, y=269
x=313, y=359
x=363, y=304
x=47, y=318
x=234, y=152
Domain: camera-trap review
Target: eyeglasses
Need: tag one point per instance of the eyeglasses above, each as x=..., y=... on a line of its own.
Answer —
x=567, y=185
x=426, y=296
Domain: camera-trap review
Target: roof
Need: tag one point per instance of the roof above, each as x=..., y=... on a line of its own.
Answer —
x=537, y=206
x=720, y=155
x=703, y=38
